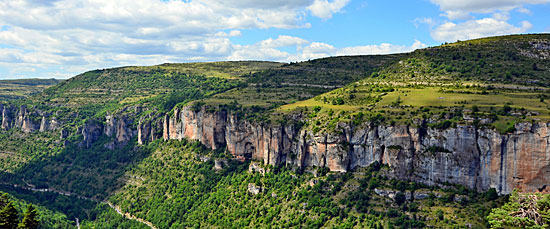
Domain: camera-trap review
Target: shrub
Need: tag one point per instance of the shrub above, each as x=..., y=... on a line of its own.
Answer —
x=400, y=198
x=439, y=214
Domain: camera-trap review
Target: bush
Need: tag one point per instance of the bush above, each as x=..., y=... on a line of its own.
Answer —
x=317, y=109
x=440, y=214
x=442, y=125
x=400, y=198
x=491, y=194
x=504, y=110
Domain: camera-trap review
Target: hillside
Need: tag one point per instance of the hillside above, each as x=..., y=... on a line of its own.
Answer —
x=22, y=88
x=358, y=141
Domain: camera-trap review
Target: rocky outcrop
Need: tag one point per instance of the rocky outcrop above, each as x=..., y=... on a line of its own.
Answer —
x=479, y=158
x=27, y=120
x=24, y=121
x=91, y=131
x=254, y=189
x=473, y=157
x=7, y=116
x=146, y=128
x=119, y=129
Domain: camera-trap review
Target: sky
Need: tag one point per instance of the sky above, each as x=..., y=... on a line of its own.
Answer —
x=62, y=38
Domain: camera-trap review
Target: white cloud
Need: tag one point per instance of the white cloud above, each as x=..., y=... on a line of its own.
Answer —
x=306, y=50
x=477, y=28
x=384, y=48
x=501, y=16
x=232, y=33
x=428, y=21
x=101, y=33
x=325, y=9
x=524, y=11
x=472, y=27
x=256, y=52
x=460, y=9
x=457, y=15
x=283, y=41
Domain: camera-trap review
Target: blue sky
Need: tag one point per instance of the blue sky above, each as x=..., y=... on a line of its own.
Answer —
x=61, y=38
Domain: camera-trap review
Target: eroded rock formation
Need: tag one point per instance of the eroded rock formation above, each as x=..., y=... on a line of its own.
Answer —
x=473, y=157
x=479, y=158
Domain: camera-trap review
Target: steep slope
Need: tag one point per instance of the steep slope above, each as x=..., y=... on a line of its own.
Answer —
x=183, y=184
x=47, y=217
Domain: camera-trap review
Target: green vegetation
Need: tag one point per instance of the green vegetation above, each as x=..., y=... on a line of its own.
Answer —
x=326, y=73
x=266, y=90
x=522, y=211
x=445, y=105
x=16, y=213
x=178, y=186
x=225, y=69
x=507, y=59
x=459, y=83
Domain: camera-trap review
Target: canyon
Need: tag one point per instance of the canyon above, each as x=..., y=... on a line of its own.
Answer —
x=478, y=158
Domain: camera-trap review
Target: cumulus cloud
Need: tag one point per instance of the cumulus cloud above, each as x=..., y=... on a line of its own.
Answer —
x=305, y=50
x=325, y=9
x=283, y=41
x=232, y=33
x=460, y=9
x=477, y=28
x=472, y=27
x=384, y=48
x=103, y=33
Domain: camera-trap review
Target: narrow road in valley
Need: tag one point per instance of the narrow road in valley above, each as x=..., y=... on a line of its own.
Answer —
x=130, y=216
x=111, y=205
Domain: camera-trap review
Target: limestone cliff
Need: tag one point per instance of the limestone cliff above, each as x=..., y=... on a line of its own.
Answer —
x=479, y=158
x=119, y=127
x=27, y=120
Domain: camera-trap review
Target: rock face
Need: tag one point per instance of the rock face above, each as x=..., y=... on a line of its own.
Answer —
x=120, y=129
x=146, y=131
x=7, y=117
x=27, y=120
x=91, y=131
x=477, y=158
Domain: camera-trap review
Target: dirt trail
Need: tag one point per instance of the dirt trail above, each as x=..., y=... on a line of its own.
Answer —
x=130, y=216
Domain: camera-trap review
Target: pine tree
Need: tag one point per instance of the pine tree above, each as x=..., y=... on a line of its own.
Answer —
x=30, y=218
x=8, y=217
